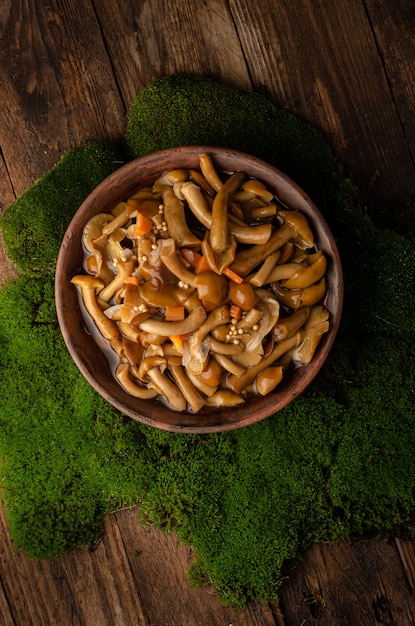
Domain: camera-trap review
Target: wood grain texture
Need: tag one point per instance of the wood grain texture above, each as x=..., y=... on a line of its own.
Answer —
x=320, y=61
x=6, y=198
x=69, y=70
x=57, y=85
x=134, y=576
x=162, y=38
x=362, y=582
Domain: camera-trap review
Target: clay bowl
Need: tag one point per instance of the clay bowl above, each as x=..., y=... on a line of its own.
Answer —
x=92, y=362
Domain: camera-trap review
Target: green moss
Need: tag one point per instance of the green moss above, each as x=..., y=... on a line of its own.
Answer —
x=193, y=110
x=34, y=225
x=338, y=460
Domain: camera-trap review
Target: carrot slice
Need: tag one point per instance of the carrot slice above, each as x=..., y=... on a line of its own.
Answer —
x=177, y=341
x=235, y=312
x=232, y=275
x=174, y=313
x=202, y=266
x=143, y=225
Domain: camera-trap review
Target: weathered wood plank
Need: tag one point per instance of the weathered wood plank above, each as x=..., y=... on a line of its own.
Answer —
x=135, y=575
x=81, y=588
x=397, y=48
x=360, y=582
x=6, y=198
x=151, y=39
x=159, y=564
x=58, y=89
x=320, y=61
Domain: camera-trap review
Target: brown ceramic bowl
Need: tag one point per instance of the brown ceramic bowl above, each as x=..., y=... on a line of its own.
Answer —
x=90, y=359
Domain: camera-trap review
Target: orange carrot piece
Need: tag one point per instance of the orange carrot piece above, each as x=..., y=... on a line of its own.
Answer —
x=174, y=313
x=232, y=275
x=235, y=312
x=202, y=266
x=143, y=225
x=177, y=341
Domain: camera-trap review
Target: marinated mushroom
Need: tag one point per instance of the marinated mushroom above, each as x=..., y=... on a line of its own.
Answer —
x=122, y=374
x=268, y=379
x=89, y=286
x=296, y=298
x=170, y=259
x=166, y=329
x=239, y=383
x=124, y=269
x=193, y=314
x=193, y=397
x=306, y=275
x=314, y=328
x=225, y=397
x=198, y=351
x=174, y=214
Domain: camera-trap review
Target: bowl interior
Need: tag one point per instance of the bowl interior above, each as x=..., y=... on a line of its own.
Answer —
x=92, y=362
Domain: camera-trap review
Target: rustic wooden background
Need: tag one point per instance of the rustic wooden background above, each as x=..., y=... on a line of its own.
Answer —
x=69, y=70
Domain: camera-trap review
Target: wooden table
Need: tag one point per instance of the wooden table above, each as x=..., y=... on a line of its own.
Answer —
x=68, y=74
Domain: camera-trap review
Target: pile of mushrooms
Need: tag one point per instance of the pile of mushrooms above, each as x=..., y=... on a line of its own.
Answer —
x=206, y=288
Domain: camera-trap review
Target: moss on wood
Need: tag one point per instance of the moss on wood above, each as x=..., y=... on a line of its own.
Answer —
x=338, y=460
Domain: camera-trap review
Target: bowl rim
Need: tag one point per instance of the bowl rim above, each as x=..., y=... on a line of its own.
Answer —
x=161, y=417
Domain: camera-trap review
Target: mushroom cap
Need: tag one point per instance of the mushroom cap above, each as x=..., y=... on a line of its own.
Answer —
x=305, y=236
x=148, y=364
x=93, y=229
x=85, y=281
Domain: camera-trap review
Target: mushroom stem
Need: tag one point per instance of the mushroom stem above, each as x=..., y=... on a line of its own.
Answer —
x=238, y=383
x=306, y=275
x=247, y=260
x=125, y=268
x=170, y=259
x=168, y=389
x=195, y=399
x=288, y=326
x=209, y=172
x=198, y=354
x=258, y=234
x=168, y=329
x=219, y=227
x=176, y=222
x=89, y=285
x=122, y=374
x=222, y=347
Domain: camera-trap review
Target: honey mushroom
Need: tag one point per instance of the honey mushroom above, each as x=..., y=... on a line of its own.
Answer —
x=96, y=244
x=167, y=329
x=123, y=376
x=241, y=382
x=193, y=397
x=198, y=351
x=213, y=368
x=257, y=234
x=225, y=397
x=151, y=370
x=170, y=259
x=89, y=286
x=296, y=298
x=174, y=215
x=295, y=227
x=316, y=325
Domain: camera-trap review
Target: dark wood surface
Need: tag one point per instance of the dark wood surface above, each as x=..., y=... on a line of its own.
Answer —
x=68, y=73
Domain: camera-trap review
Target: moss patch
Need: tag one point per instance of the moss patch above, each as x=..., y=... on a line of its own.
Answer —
x=337, y=461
